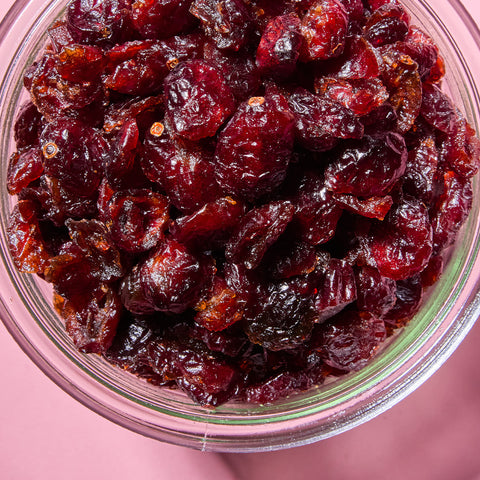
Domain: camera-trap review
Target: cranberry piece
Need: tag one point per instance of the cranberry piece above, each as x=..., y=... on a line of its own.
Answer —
x=360, y=60
x=409, y=295
x=221, y=309
x=403, y=81
x=129, y=350
x=74, y=154
x=316, y=212
x=280, y=318
x=101, y=22
x=140, y=109
x=373, y=207
x=23, y=168
x=350, y=340
x=137, y=219
x=170, y=280
x=375, y=294
x=25, y=239
x=54, y=96
x=207, y=378
x=288, y=258
x=92, y=327
x=280, y=45
x=228, y=23
x=324, y=28
x=71, y=274
x=420, y=174
x=319, y=121
x=281, y=385
x=451, y=209
x=254, y=149
x=94, y=240
x=461, y=149
x=28, y=125
x=240, y=72
x=369, y=167
x=387, y=24
x=382, y=119
x=59, y=35
x=257, y=231
x=402, y=245
x=162, y=19
x=437, y=109
x=335, y=288
x=359, y=96
x=185, y=171
x=198, y=99
x=140, y=68
x=80, y=63
x=209, y=226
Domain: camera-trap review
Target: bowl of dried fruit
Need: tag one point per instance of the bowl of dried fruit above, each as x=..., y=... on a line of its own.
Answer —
x=239, y=225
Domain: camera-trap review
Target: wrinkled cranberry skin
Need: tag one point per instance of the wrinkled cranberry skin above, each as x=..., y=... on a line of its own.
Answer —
x=79, y=152
x=437, y=109
x=403, y=245
x=93, y=327
x=360, y=96
x=316, y=212
x=27, y=126
x=351, y=339
x=279, y=46
x=210, y=226
x=185, y=171
x=220, y=310
x=137, y=219
x=369, y=167
x=101, y=22
x=25, y=239
x=336, y=287
x=170, y=280
x=319, y=121
x=282, y=319
x=228, y=23
x=254, y=149
x=198, y=100
x=257, y=231
x=324, y=28
x=161, y=19
x=386, y=25
x=375, y=294
x=451, y=209
x=24, y=168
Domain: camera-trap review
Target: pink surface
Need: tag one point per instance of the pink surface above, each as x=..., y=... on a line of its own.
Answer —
x=433, y=434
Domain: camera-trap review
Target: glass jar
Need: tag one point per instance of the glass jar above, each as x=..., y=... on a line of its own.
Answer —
x=405, y=361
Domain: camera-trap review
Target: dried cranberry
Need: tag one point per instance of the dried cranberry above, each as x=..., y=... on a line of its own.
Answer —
x=402, y=245
x=163, y=19
x=279, y=47
x=25, y=239
x=254, y=149
x=324, y=28
x=198, y=99
x=368, y=167
x=137, y=219
x=101, y=22
x=350, y=339
x=228, y=23
x=319, y=121
x=256, y=231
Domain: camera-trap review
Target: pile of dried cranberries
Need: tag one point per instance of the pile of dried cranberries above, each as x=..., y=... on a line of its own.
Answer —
x=237, y=197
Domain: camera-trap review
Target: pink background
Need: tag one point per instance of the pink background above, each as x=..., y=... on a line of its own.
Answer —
x=433, y=434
